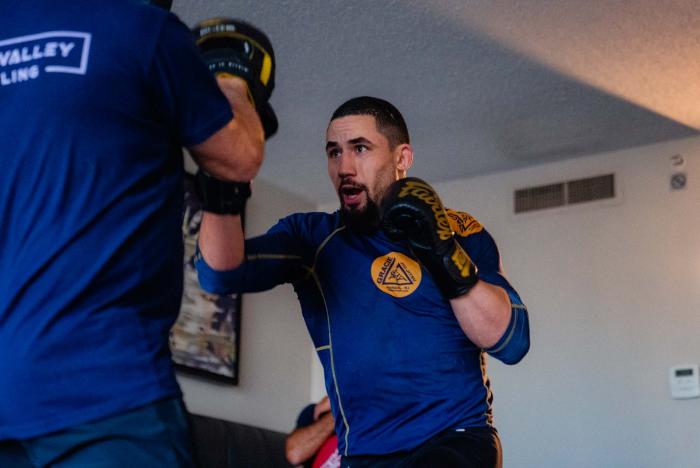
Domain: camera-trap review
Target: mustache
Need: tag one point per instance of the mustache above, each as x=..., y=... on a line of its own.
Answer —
x=352, y=185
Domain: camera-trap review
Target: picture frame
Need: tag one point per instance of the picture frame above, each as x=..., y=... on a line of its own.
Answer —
x=205, y=339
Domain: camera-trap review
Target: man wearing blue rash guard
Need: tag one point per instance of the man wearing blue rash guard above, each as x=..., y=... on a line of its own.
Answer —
x=403, y=299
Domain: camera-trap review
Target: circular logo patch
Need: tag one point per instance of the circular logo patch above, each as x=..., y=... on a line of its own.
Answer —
x=396, y=274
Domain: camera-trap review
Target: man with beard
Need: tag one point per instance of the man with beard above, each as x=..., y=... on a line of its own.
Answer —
x=402, y=299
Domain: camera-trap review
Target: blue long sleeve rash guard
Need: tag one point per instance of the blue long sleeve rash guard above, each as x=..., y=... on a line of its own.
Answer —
x=398, y=367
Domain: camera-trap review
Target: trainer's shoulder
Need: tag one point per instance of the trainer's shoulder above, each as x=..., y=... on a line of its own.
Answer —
x=110, y=10
x=462, y=223
x=144, y=21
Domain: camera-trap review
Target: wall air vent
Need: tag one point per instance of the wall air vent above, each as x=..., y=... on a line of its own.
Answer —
x=564, y=193
x=591, y=189
x=539, y=198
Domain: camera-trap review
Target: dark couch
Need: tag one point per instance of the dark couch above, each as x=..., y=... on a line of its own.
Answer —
x=224, y=444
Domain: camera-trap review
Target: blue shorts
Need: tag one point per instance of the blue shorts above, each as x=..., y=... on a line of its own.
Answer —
x=151, y=436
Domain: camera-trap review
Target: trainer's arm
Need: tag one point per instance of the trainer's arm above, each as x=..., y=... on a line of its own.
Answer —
x=235, y=152
x=304, y=442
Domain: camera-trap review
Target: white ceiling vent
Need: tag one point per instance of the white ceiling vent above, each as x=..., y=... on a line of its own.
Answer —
x=564, y=193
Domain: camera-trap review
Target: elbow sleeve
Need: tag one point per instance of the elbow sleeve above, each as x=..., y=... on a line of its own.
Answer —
x=515, y=342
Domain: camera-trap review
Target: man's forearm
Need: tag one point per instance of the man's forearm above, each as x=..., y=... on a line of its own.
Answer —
x=483, y=313
x=304, y=442
x=235, y=152
x=221, y=241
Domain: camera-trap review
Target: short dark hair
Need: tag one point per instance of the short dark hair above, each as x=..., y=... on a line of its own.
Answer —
x=389, y=120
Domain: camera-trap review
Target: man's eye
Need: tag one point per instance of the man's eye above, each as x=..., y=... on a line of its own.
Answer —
x=333, y=153
x=361, y=148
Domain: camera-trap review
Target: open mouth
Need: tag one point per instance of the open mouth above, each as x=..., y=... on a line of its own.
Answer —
x=351, y=195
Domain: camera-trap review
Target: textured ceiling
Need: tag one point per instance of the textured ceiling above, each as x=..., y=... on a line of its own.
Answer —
x=484, y=85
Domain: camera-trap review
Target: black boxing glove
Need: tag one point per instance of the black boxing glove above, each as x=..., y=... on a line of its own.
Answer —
x=412, y=211
x=233, y=47
x=219, y=197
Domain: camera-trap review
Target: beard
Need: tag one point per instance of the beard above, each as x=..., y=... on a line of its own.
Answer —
x=365, y=220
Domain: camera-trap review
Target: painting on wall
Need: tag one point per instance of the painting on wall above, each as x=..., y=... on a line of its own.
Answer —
x=205, y=340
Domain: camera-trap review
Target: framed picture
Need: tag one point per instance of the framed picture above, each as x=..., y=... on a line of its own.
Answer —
x=205, y=340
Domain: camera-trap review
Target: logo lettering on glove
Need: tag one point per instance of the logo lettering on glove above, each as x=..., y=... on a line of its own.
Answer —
x=426, y=194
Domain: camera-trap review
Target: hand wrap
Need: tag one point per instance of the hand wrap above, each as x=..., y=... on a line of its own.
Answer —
x=219, y=197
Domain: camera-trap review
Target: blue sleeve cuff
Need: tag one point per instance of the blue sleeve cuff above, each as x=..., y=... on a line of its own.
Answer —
x=515, y=342
x=214, y=281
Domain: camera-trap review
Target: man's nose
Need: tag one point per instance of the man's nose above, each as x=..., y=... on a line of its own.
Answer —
x=346, y=165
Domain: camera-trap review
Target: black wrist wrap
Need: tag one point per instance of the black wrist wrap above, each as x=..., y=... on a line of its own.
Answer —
x=219, y=197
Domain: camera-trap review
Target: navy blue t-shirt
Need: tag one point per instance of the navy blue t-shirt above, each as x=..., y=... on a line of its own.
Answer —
x=96, y=100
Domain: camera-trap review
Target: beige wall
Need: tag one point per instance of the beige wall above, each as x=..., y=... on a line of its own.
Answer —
x=614, y=299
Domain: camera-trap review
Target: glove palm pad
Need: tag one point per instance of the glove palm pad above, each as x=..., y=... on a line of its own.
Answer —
x=234, y=47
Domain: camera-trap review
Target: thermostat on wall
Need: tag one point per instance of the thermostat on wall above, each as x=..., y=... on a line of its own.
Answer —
x=685, y=381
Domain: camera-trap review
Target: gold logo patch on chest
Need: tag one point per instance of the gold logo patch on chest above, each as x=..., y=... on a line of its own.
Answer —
x=396, y=274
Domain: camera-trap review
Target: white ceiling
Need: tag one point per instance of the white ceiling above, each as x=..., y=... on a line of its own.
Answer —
x=484, y=85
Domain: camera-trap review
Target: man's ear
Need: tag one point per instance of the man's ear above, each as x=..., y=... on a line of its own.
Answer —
x=404, y=158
